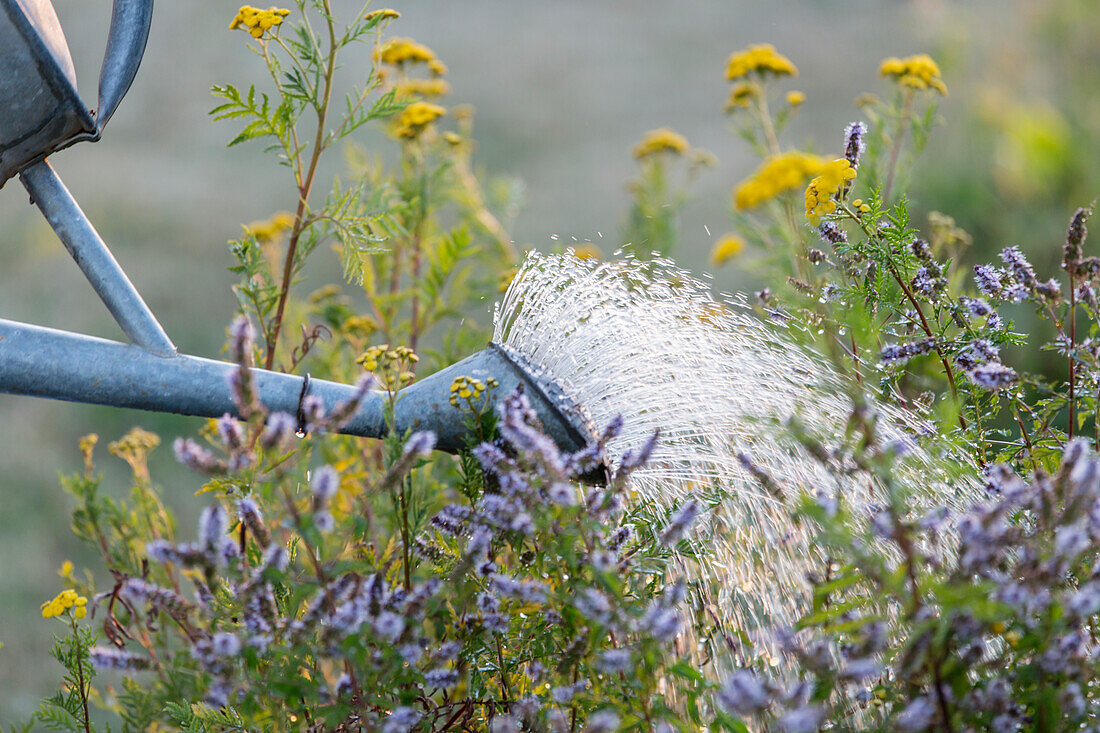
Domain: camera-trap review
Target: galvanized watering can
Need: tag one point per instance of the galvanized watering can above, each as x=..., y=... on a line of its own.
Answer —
x=41, y=113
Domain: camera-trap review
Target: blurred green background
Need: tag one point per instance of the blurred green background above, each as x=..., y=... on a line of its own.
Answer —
x=562, y=91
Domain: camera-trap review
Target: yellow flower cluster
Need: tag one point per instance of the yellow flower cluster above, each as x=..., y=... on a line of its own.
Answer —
x=660, y=141
x=742, y=95
x=393, y=366
x=918, y=72
x=398, y=51
x=416, y=117
x=270, y=229
x=820, y=192
x=469, y=389
x=382, y=14
x=763, y=59
x=795, y=98
x=587, y=252
x=779, y=173
x=422, y=88
x=62, y=602
x=257, y=21
x=727, y=247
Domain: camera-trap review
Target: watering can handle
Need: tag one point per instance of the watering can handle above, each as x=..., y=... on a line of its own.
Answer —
x=130, y=21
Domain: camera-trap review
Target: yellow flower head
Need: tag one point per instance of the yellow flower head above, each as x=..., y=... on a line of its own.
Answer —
x=763, y=59
x=659, y=141
x=727, y=247
x=795, y=98
x=587, y=252
x=257, y=21
x=269, y=230
x=416, y=117
x=779, y=173
x=62, y=602
x=820, y=192
x=437, y=67
x=382, y=14
x=397, y=51
x=915, y=72
x=742, y=95
x=422, y=88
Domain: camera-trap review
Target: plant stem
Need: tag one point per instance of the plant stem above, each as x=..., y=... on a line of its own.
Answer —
x=895, y=148
x=417, y=241
x=81, y=653
x=1070, y=357
x=304, y=191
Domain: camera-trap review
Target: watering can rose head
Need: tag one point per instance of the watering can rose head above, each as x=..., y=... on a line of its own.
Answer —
x=40, y=109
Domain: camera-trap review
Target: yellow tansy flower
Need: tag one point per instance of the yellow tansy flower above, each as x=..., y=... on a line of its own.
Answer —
x=268, y=230
x=820, y=192
x=416, y=117
x=742, y=94
x=659, y=141
x=587, y=252
x=795, y=98
x=779, y=173
x=437, y=67
x=727, y=247
x=383, y=13
x=398, y=51
x=62, y=602
x=916, y=72
x=761, y=58
x=257, y=21
x=422, y=87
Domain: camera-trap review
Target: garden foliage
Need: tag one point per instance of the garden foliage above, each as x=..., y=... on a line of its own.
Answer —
x=333, y=584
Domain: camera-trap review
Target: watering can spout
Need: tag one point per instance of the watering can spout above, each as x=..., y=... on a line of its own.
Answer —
x=44, y=362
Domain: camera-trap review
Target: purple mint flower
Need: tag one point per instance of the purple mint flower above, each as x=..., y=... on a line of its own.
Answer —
x=103, y=657
x=225, y=644
x=420, y=444
x=280, y=428
x=680, y=523
x=213, y=525
x=197, y=458
x=830, y=232
x=231, y=432
x=743, y=694
x=603, y=721
x=440, y=678
x=1021, y=268
x=804, y=719
x=324, y=483
x=389, y=626
x=614, y=661
x=919, y=715
x=853, y=142
x=401, y=720
x=562, y=493
x=241, y=337
x=618, y=538
x=993, y=376
x=988, y=280
x=977, y=307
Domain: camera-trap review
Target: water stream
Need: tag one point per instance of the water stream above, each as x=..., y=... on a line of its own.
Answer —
x=649, y=341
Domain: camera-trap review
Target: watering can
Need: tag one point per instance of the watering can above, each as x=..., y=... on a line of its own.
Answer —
x=41, y=113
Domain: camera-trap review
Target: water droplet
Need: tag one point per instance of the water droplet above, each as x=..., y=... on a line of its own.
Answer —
x=300, y=433
x=554, y=237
